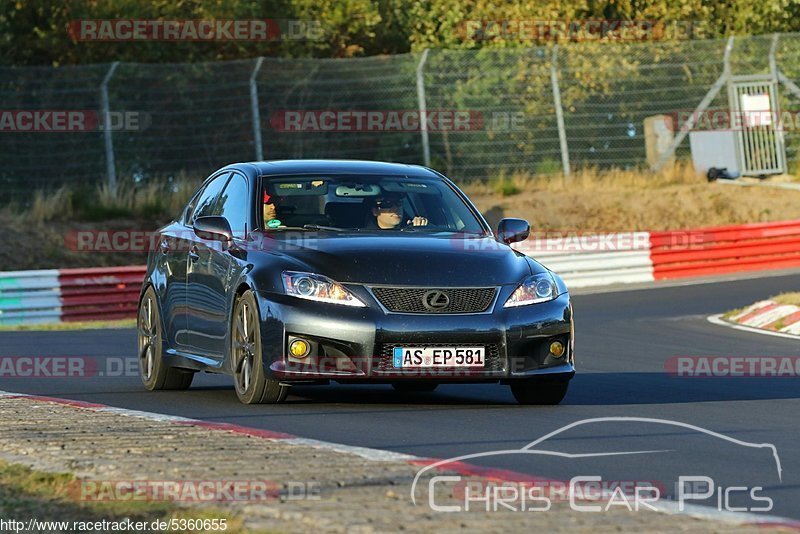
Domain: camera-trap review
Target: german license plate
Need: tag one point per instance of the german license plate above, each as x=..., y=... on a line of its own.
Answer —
x=438, y=357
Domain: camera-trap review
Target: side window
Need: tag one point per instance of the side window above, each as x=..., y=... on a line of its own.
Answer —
x=208, y=201
x=235, y=204
x=189, y=209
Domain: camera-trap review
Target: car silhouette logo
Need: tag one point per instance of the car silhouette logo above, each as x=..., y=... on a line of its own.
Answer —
x=435, y=300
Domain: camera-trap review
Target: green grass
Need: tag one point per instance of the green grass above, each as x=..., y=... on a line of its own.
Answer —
x=505, y=186
x=26, y=493
x=732, y=313
x=156, y=198
x=792, y=298
x=80, y=325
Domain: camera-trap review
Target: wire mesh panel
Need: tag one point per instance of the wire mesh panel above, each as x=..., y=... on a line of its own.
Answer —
x=786, y=54
x=609, y=94
x=49, y=154
x=194, y=118
x=510, y=94
x=310, y=108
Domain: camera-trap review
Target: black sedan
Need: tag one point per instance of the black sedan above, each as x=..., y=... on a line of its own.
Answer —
x=307, y=271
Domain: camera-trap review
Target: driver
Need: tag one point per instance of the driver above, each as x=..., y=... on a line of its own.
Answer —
x=388, y=213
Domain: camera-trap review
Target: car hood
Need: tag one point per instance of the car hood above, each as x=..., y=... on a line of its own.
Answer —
x=410, y=259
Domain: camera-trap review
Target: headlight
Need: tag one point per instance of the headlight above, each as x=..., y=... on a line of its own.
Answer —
x=317, y=287
x=533, y=290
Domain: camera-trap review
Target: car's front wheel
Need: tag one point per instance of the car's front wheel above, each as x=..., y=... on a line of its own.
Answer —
x=252, y=384
x=539, y=391
x=153, y=370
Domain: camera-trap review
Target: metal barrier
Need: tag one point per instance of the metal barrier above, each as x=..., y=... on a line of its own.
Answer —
x=727, y=249
x=53, y=295
x=608, y=259
x=594, y=260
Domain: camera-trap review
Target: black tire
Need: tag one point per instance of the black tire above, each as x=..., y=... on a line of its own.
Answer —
x=154, y=372
x=549, y=392
x=414, y=387
x=251, y=383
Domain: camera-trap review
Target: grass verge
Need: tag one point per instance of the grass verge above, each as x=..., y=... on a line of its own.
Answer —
x=616, y=200
x=78, y=325
x=792, y=298
x=27, y=494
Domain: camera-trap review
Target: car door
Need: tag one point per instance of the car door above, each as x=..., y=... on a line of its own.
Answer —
x=172, y=246
x=211, y=271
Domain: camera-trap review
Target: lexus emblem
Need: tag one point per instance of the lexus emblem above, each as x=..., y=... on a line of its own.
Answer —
x=435, y=300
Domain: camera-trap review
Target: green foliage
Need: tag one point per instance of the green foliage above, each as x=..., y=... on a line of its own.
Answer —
x=34, y=32
x=504, y=186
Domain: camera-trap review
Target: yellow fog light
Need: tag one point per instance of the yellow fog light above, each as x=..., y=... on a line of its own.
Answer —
x=299, y=348
x=557, y=349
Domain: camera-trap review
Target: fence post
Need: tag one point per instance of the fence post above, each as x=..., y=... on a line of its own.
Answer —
x=255, y=111
x=773, y=64
x=111, y=169
x=423, y=109
x=701, y=107
x=562, y=131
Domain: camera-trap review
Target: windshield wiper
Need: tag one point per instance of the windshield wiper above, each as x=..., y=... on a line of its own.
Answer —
x=319, y=227
x=423, y=229
x=309, y=227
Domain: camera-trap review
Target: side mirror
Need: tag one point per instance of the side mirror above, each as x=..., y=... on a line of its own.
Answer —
x=213, y=228
x=513, y=230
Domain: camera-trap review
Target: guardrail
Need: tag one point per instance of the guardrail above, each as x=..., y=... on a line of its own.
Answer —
x=591, y=260
x=55, y=295
x=726, y=249
x=586, y=260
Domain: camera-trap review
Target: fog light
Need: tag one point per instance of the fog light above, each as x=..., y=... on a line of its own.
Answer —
x=299, y=348
x=557, y=349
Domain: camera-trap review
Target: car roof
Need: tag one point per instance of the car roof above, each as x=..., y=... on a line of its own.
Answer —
x=340, y=166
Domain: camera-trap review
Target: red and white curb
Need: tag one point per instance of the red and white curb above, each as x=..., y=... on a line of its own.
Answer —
x=765, y=317
x=378, y=455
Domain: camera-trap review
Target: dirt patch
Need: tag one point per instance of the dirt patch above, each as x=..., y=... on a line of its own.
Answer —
x=617, y=208
x=47, y=245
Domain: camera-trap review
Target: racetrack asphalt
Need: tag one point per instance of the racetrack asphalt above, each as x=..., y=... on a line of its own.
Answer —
x=623, y=341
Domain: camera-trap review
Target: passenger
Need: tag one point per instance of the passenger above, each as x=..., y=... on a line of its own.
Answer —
x=271, y=211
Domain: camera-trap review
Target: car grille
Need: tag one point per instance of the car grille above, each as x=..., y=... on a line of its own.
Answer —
x=412, y=299
x=385, y=363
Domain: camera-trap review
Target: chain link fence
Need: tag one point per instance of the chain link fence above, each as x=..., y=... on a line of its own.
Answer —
x=189, y=119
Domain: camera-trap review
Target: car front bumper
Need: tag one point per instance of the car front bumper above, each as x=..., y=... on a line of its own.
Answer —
x=356, y=344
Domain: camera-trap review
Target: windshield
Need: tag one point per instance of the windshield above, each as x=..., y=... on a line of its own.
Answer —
x=361, y=203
